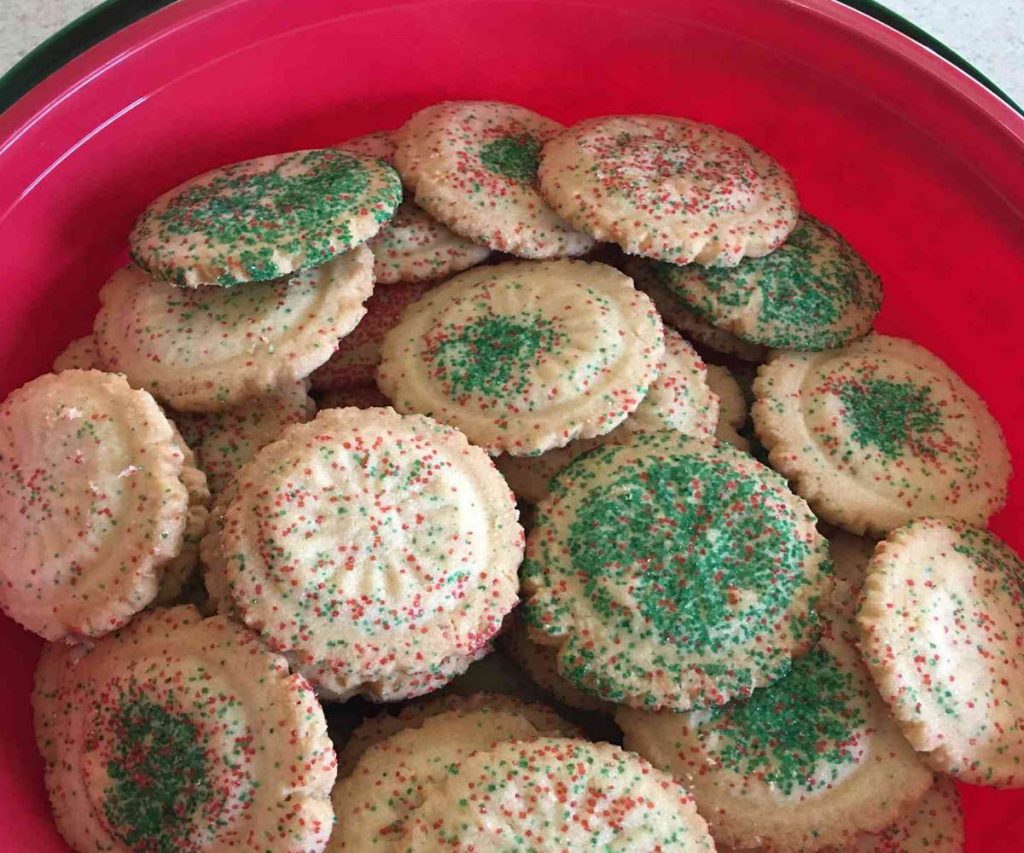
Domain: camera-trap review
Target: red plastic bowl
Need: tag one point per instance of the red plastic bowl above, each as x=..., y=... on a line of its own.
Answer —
x=917, y=164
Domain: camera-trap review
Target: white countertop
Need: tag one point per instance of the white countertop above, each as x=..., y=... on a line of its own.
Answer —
x=987, y=33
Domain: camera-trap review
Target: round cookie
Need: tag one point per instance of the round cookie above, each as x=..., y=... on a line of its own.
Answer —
x=541, y=664
x=812, y=293
x=413, y=246
x=379, y=551
x=355, y=361
x=183, y=733
x=225, y=441
x=372, y=802
x=93, y=502
x=360, y=396
x=80, y=354
x=560, y=794
x=265, y=218
x=649, y=276
x=679, y=399
x=809, y=761
x=473, y=166
x=733, y=411
x=212, y=348
x=380, y=727
x=526, y=356
x=942, y=628
x=878, y=433
x=673, y=573
x=669, y=188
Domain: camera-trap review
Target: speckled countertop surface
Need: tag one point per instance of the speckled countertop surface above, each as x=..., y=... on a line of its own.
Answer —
x=987, y=33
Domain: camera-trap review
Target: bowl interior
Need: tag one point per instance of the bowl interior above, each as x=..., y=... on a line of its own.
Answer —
x=917, y=165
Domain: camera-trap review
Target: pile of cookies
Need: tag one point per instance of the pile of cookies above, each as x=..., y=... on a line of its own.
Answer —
x=291, y=467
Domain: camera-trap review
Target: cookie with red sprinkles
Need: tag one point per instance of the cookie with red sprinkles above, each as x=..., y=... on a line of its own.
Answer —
x=212, y=348
x=386, y=783
x=809, y=761
x=93, y=503
x=814, y=292
x=669, y=188
x=224, y=441
x=649, y=276
x=555, y=794
x=526, y=356
x=413, y=246
x=473, y=166
x=179, y=733
x=80, y=354
x=354, y=362
x=942, y=628
x=679, y=399
x=379, y=551
x=265, y=218
x=673, y=572
x=878, y=433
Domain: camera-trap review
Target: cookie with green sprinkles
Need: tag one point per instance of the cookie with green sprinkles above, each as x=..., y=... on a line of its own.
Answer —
x=526, y=356
x=733, y=408
x=649, y=276
x=379, y=551
x=812, y=293
x=355, y=361
x=413, y=246
x=673, y=572
x=669, y=188
x=540, y=663
x=93, y=503
x=385, y=784
x=224, y=441
x=80, y=354
x=473, y=166
x=213, y=348
x=555, y=794
x=266, y=218
x=679, y=399
x=942, y=628
x=180, y=733
x=805, y=763
x=878, y=433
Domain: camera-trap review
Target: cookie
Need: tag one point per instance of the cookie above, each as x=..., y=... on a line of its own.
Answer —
x=380, y=727
x=80, y=354
x=183, y=733
x=679, y=399
x=266, y=218
x=942, y=627
x=360, y=396
x=649, y=277
x=525, y=356
x=473, y=166
x=879, y=433
x=225, y=441
x=213, y=348
x=555, y=794
x=809, y=761
x=673, y=573
x=541, y=664
x=669, y=188
x=732, y=407
x=93, y=503
x=354, y=362
x=413, y=246
x=398, y=756
x=812, y=293
x=179, y=575
x=379, y=551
